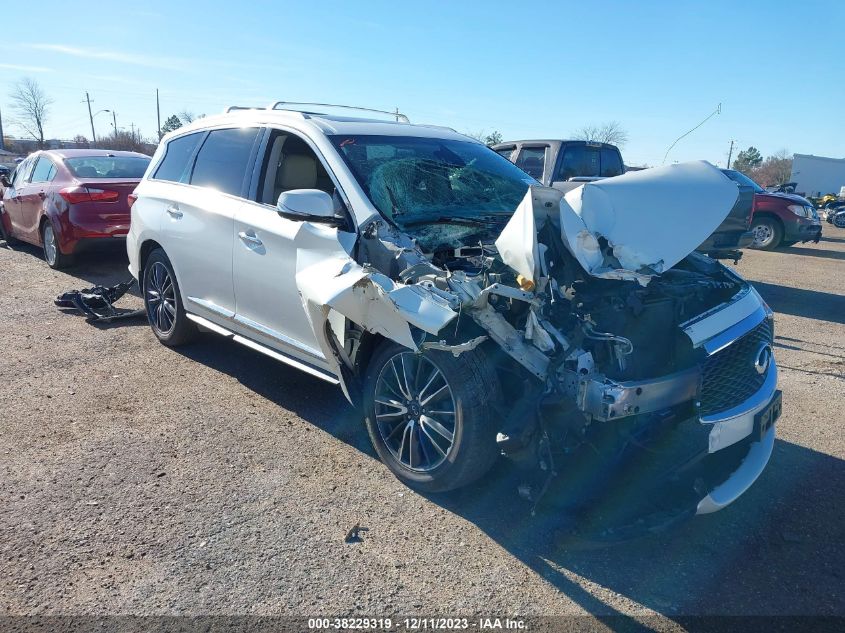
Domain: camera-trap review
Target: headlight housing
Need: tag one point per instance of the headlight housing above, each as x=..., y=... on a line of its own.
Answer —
x=799, y=210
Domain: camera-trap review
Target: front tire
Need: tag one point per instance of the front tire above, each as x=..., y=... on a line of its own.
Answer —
x=429, y=415
x=52, y=253
x=767, y=234
x=163, y=302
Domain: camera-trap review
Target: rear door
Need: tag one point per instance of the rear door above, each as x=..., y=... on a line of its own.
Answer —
x=199, y=213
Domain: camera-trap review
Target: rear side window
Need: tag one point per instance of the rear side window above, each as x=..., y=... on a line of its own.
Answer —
x=224, y=159
x=611, y=162
x=44, y=170
x=532, y=160
x=174, y=166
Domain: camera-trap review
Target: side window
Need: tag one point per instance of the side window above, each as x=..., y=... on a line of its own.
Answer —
x=578, y=161
x=532, y=160
x=223, y=160
x=611, y=162
x=505, y=152
x=44, y=170
x=290, y=163
x=174, y=165
x=22, y=173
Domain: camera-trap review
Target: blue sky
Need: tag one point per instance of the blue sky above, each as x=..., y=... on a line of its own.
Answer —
x=528, y=69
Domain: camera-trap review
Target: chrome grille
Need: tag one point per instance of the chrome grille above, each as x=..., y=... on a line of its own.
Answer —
x=729, y=376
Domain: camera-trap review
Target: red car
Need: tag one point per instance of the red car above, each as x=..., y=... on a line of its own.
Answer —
x=66, y=200
x=779, y=219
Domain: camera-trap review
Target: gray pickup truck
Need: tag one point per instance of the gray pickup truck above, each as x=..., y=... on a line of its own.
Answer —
x=565, y=165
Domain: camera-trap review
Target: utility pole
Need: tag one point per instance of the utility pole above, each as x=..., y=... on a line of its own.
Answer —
x=132, y=127
x=91, y=118
x=2, y=139
x=114, y=120
x=158, y=116
x=397, y=114
x=730, y=153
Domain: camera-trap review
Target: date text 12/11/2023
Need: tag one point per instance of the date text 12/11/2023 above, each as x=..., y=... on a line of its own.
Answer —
x=416, y=624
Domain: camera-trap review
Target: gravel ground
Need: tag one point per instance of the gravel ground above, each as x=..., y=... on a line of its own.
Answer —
x=136, y=479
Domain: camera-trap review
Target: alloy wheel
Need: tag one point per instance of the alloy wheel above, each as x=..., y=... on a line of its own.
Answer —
x=50, y=247
x=415, y=411
x=160, y=298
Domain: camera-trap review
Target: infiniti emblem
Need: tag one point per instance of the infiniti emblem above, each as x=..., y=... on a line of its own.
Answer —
x=763, y=358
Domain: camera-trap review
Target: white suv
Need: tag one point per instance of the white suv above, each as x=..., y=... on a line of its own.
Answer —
x=469, y=311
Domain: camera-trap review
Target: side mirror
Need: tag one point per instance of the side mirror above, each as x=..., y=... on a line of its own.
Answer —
x=4, y=180
x=307, y=205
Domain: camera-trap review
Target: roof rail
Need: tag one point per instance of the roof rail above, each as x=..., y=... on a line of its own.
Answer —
x=233, y=108
x=288, y=105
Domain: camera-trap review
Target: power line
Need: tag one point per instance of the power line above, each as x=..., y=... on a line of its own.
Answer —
x=718, y=110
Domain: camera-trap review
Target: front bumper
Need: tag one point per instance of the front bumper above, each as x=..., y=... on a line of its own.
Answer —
x=731, y=427
x=806, y=231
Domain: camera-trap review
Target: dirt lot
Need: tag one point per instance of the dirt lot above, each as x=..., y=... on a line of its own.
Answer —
x=212, y=480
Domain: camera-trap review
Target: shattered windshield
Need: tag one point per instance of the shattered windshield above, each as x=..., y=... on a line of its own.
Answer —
x=441, y=191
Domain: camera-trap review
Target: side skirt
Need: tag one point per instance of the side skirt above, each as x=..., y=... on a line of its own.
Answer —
x=279, y=356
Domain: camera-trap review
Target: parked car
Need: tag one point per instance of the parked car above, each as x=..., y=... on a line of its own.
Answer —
x=68, y=200
x=466, y=310
x=566, y=165
x=779, y=219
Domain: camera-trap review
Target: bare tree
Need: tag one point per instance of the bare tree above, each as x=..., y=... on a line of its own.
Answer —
x=186, y=116
x=32, y=106
x=611, y=132
x=775, y=170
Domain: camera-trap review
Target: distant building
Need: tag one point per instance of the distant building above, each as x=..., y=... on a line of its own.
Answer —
x=817, y=175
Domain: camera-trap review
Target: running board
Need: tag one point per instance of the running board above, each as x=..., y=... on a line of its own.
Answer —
x=279, y=356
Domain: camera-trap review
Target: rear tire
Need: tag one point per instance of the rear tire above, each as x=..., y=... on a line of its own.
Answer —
x=429, y=415
x=163, y=302
x=767, y=234
x=52, y=253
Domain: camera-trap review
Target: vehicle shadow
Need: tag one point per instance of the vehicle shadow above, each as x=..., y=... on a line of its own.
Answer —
x=770, y=553
x=104, y=266
x=812, y=304
x=814, y=252
x=751, y=558
x=826, y=238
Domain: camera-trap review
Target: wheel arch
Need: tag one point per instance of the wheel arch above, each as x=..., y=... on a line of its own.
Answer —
x=770, y=215
x=147, y=247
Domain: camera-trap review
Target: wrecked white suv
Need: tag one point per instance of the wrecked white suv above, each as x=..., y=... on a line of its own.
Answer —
x=467, y=310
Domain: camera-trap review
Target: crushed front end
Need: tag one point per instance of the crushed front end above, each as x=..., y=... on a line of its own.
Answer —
x=618, y=348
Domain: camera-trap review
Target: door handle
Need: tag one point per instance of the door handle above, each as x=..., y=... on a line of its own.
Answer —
x=173, y=211
x=249, y=239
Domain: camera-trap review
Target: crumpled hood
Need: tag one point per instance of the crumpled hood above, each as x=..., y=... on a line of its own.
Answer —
x=627, y=227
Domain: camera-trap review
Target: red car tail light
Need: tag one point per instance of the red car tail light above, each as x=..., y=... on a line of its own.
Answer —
x=77, y=194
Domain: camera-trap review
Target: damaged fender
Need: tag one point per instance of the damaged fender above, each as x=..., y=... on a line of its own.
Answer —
x=333, y=281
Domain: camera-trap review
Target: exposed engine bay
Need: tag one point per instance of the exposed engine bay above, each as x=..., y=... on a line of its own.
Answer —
x=573, y=318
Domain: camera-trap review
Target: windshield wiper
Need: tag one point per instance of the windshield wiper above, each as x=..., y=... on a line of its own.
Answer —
x=443, y=219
